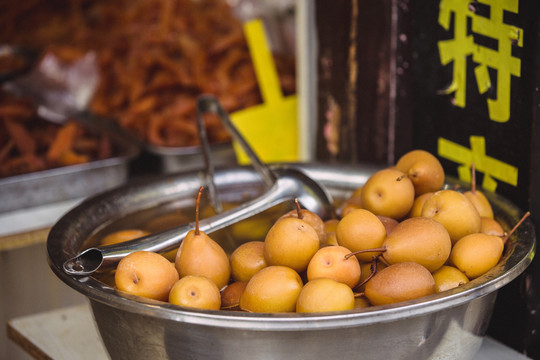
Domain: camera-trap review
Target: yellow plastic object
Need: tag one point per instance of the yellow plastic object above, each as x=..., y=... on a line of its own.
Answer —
x=271, y=128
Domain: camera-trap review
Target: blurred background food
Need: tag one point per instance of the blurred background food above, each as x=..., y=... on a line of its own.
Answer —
x=154, y=58
x=30, y=143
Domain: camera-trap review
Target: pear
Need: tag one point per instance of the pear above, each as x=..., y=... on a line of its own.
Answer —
x=330, y=227
x=147, y=274
x=361, y=302
x=491, y=227
x=330, y=262
x=361, y=230
x=424, y=170
x=353, y=202
x=399, y=282
x=230, y=296
x=200, y=255
x=448, y=277
x=418, y=204
x=367, y=270
x=418, y=239
x=274, y=289
x=123, y=236
x=476, y=254
x=480, y=202
x=247, y=259
x=454, y=211
x=477, y=198
x=196, y=292
x=388, y=222
x=311, y=218
x=348, y=206
x=291, y=242
x=388, y=192
x=324, y=295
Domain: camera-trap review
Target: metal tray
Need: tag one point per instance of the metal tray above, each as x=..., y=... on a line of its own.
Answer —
x=68, y=182
x=190, y=158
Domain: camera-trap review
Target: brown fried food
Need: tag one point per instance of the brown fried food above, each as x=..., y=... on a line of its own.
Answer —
x=152, y=55
x=29, y=143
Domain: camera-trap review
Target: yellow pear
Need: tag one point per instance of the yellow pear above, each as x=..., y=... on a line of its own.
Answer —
x=454, y=211
x=274, y=289
x=291, y=242
x=388, y=192
x=330, y=262
x=230, y=296
x=324, y=295
x=419, y=239
x=330, y=228
x=247, y=259
x=491, y=227
x=361, y=230
x=418, y=204
x=147, y=274
x=311, y=218
x=480, y=202
x=367, y=270
x=478, y=199
x=196, y=292
x=399, y=282
x=424, y=169
x=123, y=236
x=476, y=254
x=448, y=277
x=200, y=255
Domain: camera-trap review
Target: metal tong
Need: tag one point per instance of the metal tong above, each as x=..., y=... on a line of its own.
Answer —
x=284, y=183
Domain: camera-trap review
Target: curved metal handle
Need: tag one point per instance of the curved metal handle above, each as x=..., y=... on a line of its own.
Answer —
x=92, y=259
x=209, y=103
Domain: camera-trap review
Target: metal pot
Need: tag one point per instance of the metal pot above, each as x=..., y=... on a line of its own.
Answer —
x=449, y=325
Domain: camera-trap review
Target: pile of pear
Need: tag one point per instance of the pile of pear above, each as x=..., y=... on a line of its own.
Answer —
x=399, y=237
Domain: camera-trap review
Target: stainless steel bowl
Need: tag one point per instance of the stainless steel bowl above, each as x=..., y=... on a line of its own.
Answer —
x=449, y=325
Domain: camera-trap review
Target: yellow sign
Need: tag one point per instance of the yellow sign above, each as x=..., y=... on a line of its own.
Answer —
x=271, y=128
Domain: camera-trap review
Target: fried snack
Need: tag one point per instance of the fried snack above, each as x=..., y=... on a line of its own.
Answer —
x=29, y=143
x=155, y=58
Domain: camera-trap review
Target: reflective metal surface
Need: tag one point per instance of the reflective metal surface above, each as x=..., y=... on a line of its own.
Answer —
x=448, y=325
x=290, y=184
x=68, y=182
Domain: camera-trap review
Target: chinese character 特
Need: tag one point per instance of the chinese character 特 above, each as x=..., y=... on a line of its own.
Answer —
x=462, y=45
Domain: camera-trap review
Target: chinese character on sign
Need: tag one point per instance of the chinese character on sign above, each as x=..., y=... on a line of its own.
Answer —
x=491, y=167
x=462, y=45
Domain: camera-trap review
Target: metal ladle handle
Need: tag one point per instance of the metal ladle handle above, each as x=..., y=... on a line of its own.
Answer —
x=286, y=184
x=287, y=187
x=209, y=103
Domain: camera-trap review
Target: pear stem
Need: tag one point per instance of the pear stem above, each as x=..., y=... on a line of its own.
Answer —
x=197, y=206
x=298, y=208
x=473, y=180
x=526, y=215
x=373, y=272
x=380, y=249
